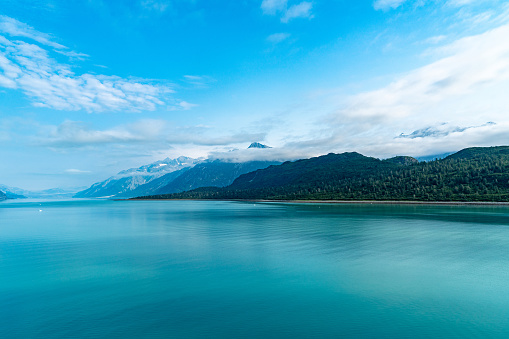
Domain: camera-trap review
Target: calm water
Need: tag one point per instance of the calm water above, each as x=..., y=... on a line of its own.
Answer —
x=104, y=269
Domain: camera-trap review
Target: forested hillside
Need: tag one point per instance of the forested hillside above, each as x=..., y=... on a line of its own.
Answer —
x=473, y=174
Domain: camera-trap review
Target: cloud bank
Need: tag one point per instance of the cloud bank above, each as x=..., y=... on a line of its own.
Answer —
x=72, y=134
x=149, y=133
x=440, y=107
x=471, y=64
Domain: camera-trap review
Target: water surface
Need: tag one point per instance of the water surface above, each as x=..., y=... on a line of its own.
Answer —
x=184, y=269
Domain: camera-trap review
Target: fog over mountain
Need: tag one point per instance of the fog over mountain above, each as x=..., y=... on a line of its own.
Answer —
x=52, y=193
x=176, y=175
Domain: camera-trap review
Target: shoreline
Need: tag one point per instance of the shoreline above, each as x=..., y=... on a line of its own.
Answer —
x=346, y=202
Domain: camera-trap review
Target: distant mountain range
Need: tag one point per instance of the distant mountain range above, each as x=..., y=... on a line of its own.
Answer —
x=52, y=193
x=472, y=174
x=171, y=176
x=214, y=173
x=3, y=196
x=122, y=184
x=12, y=192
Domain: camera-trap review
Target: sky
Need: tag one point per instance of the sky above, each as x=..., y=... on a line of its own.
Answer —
x=92, y=87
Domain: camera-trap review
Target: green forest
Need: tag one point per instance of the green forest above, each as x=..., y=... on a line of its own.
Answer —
x=473, y=174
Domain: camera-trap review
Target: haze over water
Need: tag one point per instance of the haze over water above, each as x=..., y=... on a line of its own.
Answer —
x=103, y=269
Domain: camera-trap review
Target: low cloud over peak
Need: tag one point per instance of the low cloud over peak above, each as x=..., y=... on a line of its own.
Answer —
x=441, y=130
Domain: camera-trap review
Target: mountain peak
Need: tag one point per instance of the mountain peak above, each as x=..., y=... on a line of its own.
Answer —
x=258, y=145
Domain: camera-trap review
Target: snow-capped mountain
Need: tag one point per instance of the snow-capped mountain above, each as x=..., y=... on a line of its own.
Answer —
x=258, y=145
x=13, y=192
x=208, y=173
x=122, y=184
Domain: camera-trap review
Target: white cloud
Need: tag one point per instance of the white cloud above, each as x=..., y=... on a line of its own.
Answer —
x=77, y=134
x=199, y=81
x=464, y=87
x=15, y=28
x=302, y=10
x=459, y=3
x=160, y=6
x=193, y=77
x=76, y=171
x=208, y=136
x=186, y=105
x=473, y=62
x=72, y=54
x=28, y=67
x=459, y=100
x=435, y=39
x=254, y=154
x=148, y=133
x=277, y=37
x=482, y=136
x=440, y=130
x=272, y=7
x=387, y=4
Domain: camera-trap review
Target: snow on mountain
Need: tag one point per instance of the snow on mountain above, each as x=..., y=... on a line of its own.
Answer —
x=122, y=184
x=258, y=145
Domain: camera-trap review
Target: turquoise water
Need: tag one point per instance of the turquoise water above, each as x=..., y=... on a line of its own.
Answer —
x=106, y=269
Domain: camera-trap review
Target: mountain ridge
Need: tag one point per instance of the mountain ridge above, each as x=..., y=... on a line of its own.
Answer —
x=173, y=175
x=126, y=181
x=215, y=173
x=51, y=193
x=472, y=174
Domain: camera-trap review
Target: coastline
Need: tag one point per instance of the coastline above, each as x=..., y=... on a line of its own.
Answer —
x=351, y=202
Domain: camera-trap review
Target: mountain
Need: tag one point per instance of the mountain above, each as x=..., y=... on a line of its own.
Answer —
x=155, y=185
x=314, y=171
x=472, y=174
x=171, y=176
x=258, y=145
x=52, y=193
x=403, y=160
x=13, y=192
x=125, y=182
x=434, y=156
x=213, y=173
x=3, y=196
x=309, y=172
x=474, y=153
x=11, y=195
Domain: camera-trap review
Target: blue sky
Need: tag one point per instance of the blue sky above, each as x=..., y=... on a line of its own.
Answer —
x=91, y=87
